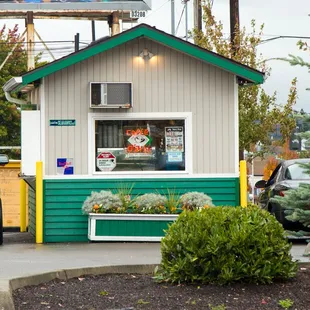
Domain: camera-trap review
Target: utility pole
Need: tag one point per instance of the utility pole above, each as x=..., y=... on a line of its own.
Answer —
x=30, y=41
x=93, y=30
x=234, y=23
x=197, y=15
x=115, y=23
x=172, y=18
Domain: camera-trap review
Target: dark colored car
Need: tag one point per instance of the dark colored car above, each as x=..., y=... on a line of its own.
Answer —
x=287, y=175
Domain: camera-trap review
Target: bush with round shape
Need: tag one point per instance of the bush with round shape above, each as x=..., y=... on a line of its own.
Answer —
x=150, y=204
x=195, y=200
x=103, y=202
x=222, y=245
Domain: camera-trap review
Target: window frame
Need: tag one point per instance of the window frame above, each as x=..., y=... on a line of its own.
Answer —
x=186, y=116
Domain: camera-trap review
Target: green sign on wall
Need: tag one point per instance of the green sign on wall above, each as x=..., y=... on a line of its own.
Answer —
x=62, y=122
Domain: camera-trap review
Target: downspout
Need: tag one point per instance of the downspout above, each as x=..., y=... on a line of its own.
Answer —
x=14, y=100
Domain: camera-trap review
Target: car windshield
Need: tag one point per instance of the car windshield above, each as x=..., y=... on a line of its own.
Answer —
x=296, y=172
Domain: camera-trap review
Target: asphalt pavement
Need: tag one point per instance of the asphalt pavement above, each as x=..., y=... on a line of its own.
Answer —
x=20, y=258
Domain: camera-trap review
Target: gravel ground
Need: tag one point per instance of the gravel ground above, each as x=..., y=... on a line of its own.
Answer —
x=132, y=291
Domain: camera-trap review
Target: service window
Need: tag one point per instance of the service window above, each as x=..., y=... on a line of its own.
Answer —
x=140, y=145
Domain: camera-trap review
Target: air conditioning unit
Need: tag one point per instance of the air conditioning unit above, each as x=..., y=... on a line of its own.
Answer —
x=111, y=95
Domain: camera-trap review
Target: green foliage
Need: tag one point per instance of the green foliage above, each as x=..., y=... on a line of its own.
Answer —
x=296, y=202
x=103, y=293
x=173, y=201
x=102, y=202
x=124, y=192
x=219, y=307
x=150, y=204
x=286, y=303
x=15, y=66
x=195, y=200
x=224, y=245
x=142, y=302
x=258, y=111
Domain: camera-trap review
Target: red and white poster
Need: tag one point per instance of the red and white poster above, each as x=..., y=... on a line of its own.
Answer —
x=106, y=161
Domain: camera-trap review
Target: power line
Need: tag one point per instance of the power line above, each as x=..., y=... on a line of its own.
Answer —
x=39, y=42
x=154, y=11
x=180, y=19
x=284, y=37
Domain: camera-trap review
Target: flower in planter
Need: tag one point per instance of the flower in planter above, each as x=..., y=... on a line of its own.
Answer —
x=103, y=202
x=150, y=204
x=195, y=200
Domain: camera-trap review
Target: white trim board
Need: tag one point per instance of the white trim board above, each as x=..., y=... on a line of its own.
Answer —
x=150, y=176
x=236, y=121
x=42, y=112
x=186, y=116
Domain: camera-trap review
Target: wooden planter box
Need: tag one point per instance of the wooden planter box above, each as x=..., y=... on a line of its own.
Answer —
x=128, y=227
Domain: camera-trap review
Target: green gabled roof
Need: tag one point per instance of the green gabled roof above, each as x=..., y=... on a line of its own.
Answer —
x=244, y=72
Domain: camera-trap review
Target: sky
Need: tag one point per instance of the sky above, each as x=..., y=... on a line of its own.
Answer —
x=280, y=17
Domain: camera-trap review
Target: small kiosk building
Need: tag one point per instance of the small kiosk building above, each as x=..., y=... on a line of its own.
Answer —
x=142, y=108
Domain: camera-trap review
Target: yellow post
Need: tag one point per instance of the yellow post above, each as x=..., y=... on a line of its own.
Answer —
x=39, y=202
x=243, y=184
x=22, y=210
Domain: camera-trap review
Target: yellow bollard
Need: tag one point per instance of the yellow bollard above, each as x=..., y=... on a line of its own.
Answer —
x=39, y=202
x=22, y=210
x=243, y=184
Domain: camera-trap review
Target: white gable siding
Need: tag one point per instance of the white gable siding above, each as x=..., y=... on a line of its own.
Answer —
x=169, y=82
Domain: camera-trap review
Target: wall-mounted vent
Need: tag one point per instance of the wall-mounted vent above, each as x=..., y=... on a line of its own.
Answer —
x=110, y=95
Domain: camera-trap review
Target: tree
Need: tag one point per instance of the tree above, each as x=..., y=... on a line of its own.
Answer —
x=258, y=111
x=296, y=203
x=297, y=60
x=15, y=66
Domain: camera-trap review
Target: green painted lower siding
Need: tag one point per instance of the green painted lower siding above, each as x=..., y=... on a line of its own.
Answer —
x=31, y=211
x=131, y=228
x=63, y=199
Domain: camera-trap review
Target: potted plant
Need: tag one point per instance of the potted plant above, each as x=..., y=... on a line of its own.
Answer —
x=121, y=217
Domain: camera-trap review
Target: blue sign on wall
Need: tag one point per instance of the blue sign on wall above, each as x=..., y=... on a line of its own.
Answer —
x=62, y=122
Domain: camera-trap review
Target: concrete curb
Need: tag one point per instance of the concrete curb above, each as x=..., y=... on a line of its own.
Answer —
x=8, y=286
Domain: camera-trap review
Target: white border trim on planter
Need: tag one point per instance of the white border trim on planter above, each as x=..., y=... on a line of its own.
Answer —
x=134, y=217
x=93, y=217
x=186, y=116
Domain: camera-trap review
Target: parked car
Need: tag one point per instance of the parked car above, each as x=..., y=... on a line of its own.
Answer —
x=4, y=159
x=287, y=175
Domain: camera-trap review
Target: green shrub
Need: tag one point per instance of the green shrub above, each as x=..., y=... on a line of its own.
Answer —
x=150, y=204
x=223, y=245
x=195, y=200
x=102, y=202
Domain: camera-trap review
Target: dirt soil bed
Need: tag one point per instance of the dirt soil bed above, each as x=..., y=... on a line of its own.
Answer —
x=133, y=291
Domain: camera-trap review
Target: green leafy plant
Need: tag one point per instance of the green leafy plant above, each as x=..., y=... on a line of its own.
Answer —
x=124, y=192
x=173, y=201
x=103, y=293
x=142, y=302
x=150, y=204
x=219, y=307
x=286, y=303
x=103, y=202
x=195, y=200
x=223, y=245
